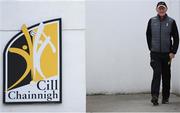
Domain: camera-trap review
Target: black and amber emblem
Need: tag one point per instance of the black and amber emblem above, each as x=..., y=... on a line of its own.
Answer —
x=32, y=64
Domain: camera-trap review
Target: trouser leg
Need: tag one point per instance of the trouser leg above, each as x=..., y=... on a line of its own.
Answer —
x=156, y=66
x=166, y=77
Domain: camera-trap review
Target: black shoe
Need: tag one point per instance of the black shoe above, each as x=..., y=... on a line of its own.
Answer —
x=165, y=101
x=154, y=100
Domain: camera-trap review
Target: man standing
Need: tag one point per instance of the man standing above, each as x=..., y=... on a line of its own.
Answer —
x=160, y=32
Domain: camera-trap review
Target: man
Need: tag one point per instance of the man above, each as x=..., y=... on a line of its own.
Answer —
x=160, y=32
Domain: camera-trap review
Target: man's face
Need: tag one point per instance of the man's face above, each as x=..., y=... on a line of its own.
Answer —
x=161, y=10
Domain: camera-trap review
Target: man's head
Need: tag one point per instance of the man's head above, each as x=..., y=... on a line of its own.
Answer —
x=161, y=8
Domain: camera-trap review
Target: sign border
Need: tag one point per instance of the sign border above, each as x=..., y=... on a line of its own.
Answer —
x=60, y=66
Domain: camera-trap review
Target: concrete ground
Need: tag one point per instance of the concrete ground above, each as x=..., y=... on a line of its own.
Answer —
x=130, y=103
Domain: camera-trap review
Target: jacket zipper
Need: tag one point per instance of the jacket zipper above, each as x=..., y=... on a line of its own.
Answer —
x=160, y=37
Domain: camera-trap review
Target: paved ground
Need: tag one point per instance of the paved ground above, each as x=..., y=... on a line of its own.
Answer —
x=130, y=103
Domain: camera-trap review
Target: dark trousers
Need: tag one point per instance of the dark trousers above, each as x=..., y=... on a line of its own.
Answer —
x=160, y=63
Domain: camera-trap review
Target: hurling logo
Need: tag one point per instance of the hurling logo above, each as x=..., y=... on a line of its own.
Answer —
x=32, y=64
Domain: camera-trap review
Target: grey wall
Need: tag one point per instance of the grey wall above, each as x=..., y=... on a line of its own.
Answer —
x=15, y=13
x=116, y=49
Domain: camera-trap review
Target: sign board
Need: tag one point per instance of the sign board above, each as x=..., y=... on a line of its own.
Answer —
x=32, y=64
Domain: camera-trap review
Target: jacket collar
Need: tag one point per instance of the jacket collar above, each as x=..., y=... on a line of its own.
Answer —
x=165, y=16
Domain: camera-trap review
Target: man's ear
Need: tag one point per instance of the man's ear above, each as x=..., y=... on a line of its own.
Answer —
x=166, y=8
x=157, y=9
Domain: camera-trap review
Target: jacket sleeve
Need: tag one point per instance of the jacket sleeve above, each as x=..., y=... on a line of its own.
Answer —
x=148, y=34
x=175, y=35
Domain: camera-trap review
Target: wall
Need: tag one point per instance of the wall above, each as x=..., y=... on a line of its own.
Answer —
x=15, y=13
x=116, y=48
x=176, y=64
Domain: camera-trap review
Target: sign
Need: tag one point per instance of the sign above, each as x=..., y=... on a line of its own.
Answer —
x=32, y=64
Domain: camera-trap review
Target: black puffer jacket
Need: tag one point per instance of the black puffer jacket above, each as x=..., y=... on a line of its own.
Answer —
x=160, y=34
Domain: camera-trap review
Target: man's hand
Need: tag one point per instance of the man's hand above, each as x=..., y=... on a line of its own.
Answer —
x=171, y=55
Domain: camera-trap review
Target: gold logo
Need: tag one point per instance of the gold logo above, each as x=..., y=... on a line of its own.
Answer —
x=40, y=52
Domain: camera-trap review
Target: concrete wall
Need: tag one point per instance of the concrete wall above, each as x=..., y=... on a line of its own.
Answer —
x=116, y=49
x=15, y=13
x=176, y=64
